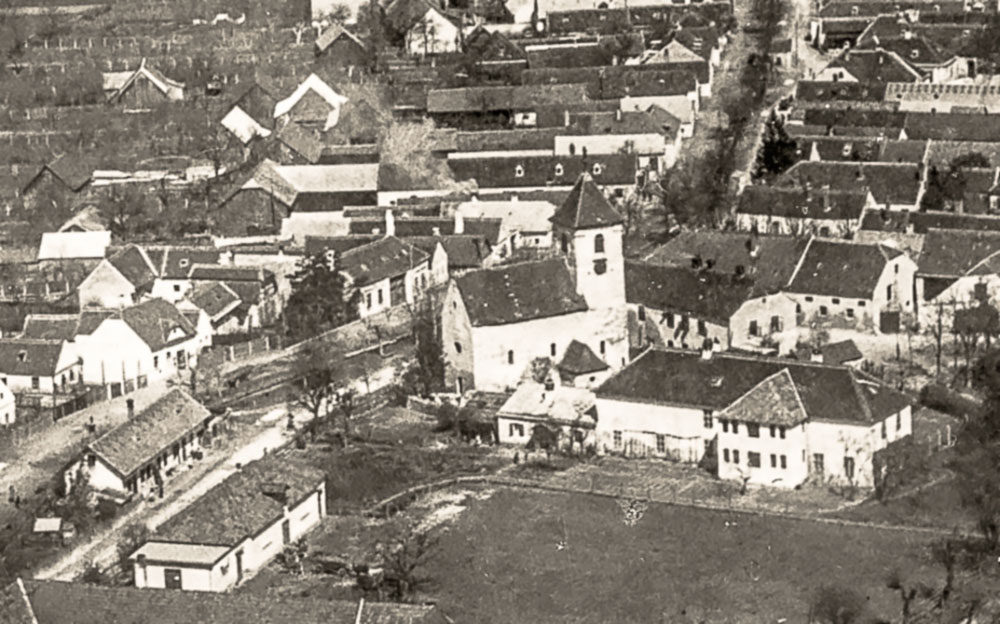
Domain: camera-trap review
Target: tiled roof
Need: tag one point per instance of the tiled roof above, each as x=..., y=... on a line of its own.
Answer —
x=917, y=49
x=842, y=149
x=519, y=97
x=334, y=32
x=908, y=151
x=540, y=171
x=464, y=251
x=15, y=608
x=72, y=170
x=896, y=183
x=942, y=153
x=855, y=117
x=134, y=265
x=158, y=323
x=215, y=298
x=563, y=404
x=953, y=127
x=818, y=91
x=514, y=139
x=30, y=357
x=579, y=359
x=774, y=401
x=339, y=244
x=586, y=207
x=229, y=273
x=301, y=141
x=922, y=222
x=50, y=326
x=875, y=66
x=238, y=508
x=836, y=204
x=841, y=352
x=57, y=602
x=827, y=392
x=711, y=296
x=385, y=258
x=512, y=293
x=129, y=446
x=951, y=253
x=822, y=269
x=621, y=81
x=176, y=262
x=406, y=227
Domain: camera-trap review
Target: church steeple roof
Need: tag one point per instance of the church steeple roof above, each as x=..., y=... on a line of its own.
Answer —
x=586, y=207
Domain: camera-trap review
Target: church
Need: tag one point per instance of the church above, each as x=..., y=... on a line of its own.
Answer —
x=496, y=322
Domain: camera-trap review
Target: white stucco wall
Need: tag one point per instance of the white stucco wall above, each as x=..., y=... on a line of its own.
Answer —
x=683, y=428
x=172, y=290
x=105, y=287
x=791, y=447
x=114, y=353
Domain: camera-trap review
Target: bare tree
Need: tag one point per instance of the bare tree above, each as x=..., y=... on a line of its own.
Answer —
x=316, y=369
x=406, y=555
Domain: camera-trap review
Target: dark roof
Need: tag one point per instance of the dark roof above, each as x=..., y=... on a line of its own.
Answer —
x=625, y=80
x=129, y=446
x=385, y=258
x=339, y=244
x=537, y=171
x=820, y=91
x=586, y=207
x=15, y=608
x=773, y=401
x=841, y=352
x=257, y=102
x=238, y=508
x=904, y=151
x=227, y=273
x=579, y=359
x=58, y=602
x=154, y=320
x=699, y=39
x=464, y=251
x=301, y=141
x=518, y=97
x=519, y=292
x=514, y=139
x=769, y=261
x=876, y=66
x=134, y=266
x=827, y=392
x=922, y=222
x=842, y=149
x=826, y=263
x=896, y=183
x=854, y=117
x=705, y=295
x=30, y=356
x=406, y=227
x=176, y=262
x=214, y=298
x=50, y=326
x=835, y=204
x=952, y=127
x=917, y=49
x=332, y=34
x=951, y=253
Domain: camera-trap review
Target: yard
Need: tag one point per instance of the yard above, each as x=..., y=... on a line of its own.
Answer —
x=502, y=562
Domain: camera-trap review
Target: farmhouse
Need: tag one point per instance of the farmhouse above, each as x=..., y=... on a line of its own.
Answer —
x=957, y=269
x=141, y=89
x=236, y=528
x=120, y=279
x=30, y=366
x=566, y=413
x=386, y=273
x=314, y=104
x=801, y=211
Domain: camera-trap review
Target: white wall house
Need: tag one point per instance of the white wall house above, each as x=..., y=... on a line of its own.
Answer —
x=119, y=280
x=563, y=410
x=203, y=549
x=386, y=273
x=39, y=366
x=433, y=33
x=8, y=406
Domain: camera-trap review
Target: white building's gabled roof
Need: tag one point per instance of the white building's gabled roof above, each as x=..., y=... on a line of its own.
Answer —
x=312, y=83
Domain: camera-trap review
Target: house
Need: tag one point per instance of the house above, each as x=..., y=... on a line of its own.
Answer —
x=938, y=63
x=499, y=107
x=340, y=48
x=250, y=115
x=764, y=420
x=496, y=322
x=868, y=66
x=523, y=223
x=533, y=172
x=565, y=411
x=957, y=269
x=707, y=42
x=137, y=456
x=423, y=27
x=944, y=98
x=653, y=135
x=74, y=245
x=58, y=602
x=314, y=104
x=219, y=302
x=827, y=94
x=235, y=529
x=257, y=290
x=120, y=279
x=126, y=348
x=30, y=366
x=57, y=182
x=678, y=306
x=385, y=273
x=819, y=210
x=893, y=186
x=880, y=288
x=141, y=89
x=954, y=126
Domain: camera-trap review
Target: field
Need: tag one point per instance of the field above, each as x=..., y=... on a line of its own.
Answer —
x=501, y=563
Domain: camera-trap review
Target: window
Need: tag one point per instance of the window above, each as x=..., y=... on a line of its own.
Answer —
x=818, y=463
x=980, y=292
x=34, y=383
x=670, y=320
x=564, y=243
x=603, y=347
x=156, y=361
x=809, y=299
x=888, y=292
x=753, y=459
x=22, y=356
x=516, y=430
x=736, y=456
x=774, y=431
x=896, y=268
x=380, y=296
x=519, y=171
x=774, y=460
x=702, y=329
x=368, y=300
x=781, y=432
x=177, y=287
x=776, y=324
x=707, y=418
x=458, y=347
x=850, y=312
x=725, y=455
x=600, y=266
x=736, y=427
x=753, y=430
x=753, y=328
x=899, y=420
x=849, y=467
x=661, y=443
x=725, y=426
x=599, y=243
x=861, y=303
x=642, y=313
x=559, y=169
x=510, y=357
x=835, y=301
x=618, y=439
x=597, y=169
x=552, y=349
x=172, y=578
x=784, y=462
x=798, y=308
x=855, y=10
x=884, y=433
x=823, y=311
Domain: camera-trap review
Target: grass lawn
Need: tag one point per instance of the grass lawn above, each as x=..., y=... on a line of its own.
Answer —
x=500, y=563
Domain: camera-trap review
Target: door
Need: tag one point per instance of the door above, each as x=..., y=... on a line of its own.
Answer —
x=239, y=566
x=286, y=532
x=172, y=578
x=889, y=322
x=818, y=464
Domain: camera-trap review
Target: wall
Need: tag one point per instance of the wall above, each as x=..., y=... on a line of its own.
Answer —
x=533, y=339
x=684, y=429
x=114, y=353
x=457, y=343
x=959, y=295
x=172, y=290
x=600, y=290
x=106, y=287
x=369, y=302
x=790, y=447
x=865, y=317
x=767, y=224
x=761, y=310
x=656, y=329
x=645, y=144
x=103, y=478
x=900, y=273
x=433, y=35
x=192, y=578
x=506, y=436
x=839, y=440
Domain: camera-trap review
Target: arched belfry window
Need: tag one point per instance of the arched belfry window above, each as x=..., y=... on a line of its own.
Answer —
x=599, y=243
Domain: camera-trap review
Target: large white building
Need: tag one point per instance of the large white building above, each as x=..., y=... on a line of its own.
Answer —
x=496, y=322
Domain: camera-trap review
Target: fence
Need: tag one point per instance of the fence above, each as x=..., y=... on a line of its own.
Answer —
x=242, y=349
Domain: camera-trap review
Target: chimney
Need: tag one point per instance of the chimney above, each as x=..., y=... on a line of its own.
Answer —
x=459, y=223
x=275, y=491
x=566, y=118
x=390, y=223
x=907, y=34
x=706, y=349
x=550, y=385
x=618, y=114
x=816, y=356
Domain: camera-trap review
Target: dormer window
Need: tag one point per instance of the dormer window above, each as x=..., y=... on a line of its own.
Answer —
x=855, y=10
x=519, y=171
x=184, y=263
x=559, y=169
x=597, y=169
x=914, y=53
x=22, y=356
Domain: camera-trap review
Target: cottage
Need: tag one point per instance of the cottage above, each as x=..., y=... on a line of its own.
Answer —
x=495, y=322
x=58, y=602
x=219, y=302
x=819, y=211
x=257, y=290
x=879, y=290
x=30, y=366
x=340, y=48
x=250, y=116
x=868, y=66
x=891, y=186
x=423, y=27
x=235, y=529
x=120, y=279
x=957, y=269
x=141, y=89
x=567, y=414
x=140, y=454
x=314, y=104
x=766, y=420
x=386, y=273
